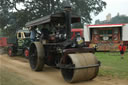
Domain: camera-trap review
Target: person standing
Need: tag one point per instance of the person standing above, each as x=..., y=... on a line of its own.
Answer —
x=122, y=49
x=33, y=33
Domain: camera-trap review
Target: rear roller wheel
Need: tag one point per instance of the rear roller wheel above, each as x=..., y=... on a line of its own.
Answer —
x=36, y=56
x=80, y=60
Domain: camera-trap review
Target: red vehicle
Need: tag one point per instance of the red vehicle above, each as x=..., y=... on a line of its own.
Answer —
x=3, y=42
x=75, y=31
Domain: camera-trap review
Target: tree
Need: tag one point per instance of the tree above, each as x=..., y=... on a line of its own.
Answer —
x=97, y=21
x=33, y=9
x=87, y=7
x=118, y=19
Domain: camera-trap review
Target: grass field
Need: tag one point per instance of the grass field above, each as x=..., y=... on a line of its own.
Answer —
x=9, y=78
x=113, y=65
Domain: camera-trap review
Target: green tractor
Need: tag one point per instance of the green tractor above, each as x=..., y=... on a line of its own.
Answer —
x=19, y=43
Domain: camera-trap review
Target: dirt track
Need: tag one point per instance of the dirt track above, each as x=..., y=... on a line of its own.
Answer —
x=49, y=76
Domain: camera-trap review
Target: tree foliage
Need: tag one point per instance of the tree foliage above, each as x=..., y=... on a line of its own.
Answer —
x=118, y=19
x=12, y=18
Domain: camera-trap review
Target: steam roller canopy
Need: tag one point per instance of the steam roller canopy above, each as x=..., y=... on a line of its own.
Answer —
x=80, y=60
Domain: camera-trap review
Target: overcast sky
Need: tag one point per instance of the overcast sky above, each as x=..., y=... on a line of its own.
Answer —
x=113, y=7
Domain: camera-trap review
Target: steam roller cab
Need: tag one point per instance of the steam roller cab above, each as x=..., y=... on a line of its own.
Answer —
x=56, y=48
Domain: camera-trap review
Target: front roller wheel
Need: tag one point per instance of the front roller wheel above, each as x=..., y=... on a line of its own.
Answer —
x=80, y=60
x=36, y=56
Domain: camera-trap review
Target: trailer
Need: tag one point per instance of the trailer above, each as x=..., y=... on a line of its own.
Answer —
x=106, y=37
x=56, y=48
x=3, y=42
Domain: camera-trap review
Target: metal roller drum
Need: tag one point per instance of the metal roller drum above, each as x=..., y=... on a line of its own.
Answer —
x=80, y=74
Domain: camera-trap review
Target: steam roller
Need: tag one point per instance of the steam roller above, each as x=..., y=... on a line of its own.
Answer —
x=56, y=47
x=80, y=67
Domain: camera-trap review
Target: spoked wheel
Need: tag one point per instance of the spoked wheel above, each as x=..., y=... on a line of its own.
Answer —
x=10, y=51
x=36, y=56
x=26, y=52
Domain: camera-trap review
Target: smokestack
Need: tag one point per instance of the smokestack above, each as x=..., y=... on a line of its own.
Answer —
x=67, y=11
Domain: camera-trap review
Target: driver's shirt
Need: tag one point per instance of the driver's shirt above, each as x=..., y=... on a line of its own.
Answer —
x=33, y=34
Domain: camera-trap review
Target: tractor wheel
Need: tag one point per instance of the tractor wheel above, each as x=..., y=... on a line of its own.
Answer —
x=80, y=60
x=11, y=51
x=36, y=56
x=26, y=53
